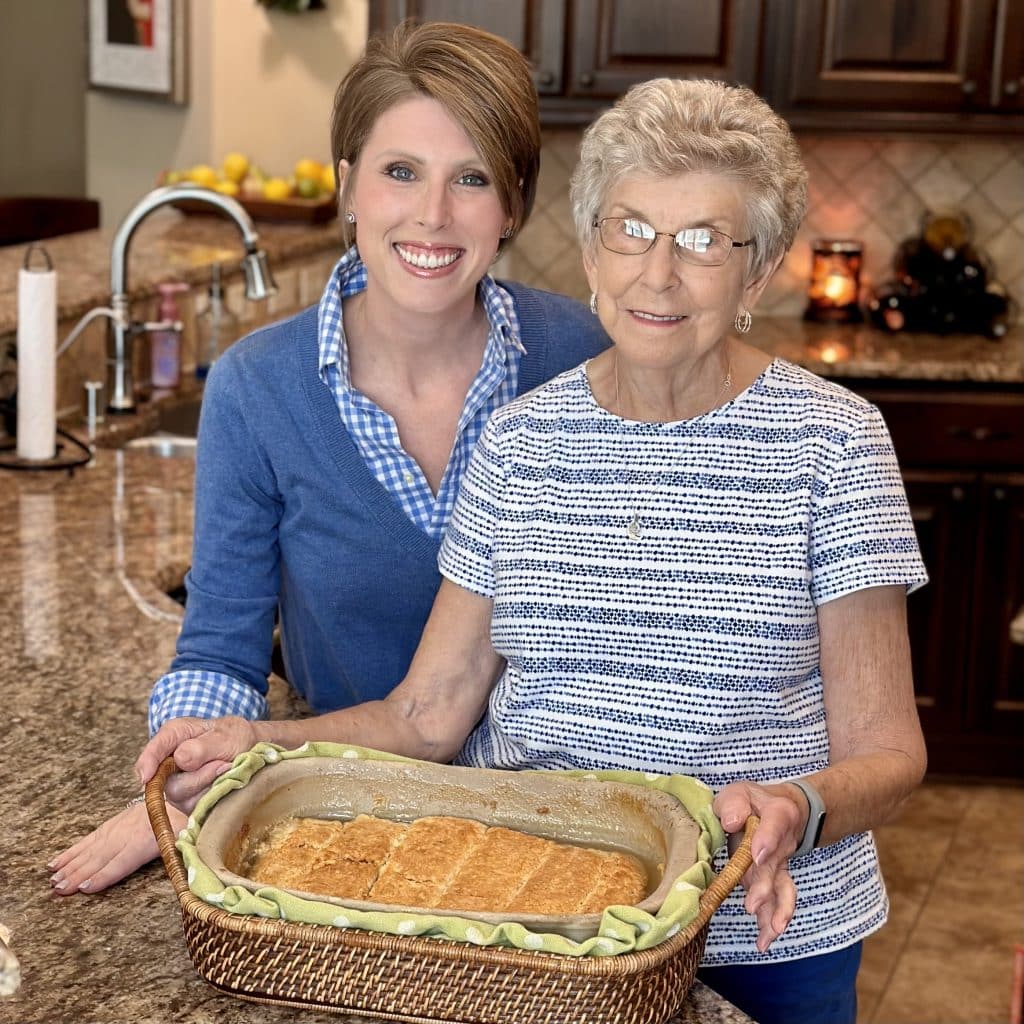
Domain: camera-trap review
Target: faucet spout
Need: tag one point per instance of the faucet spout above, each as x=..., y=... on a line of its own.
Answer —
x=162, y=197
x=259, y=282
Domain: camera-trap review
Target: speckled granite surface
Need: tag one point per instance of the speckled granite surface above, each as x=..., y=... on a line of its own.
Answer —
x=857, y=351
x=86, y=630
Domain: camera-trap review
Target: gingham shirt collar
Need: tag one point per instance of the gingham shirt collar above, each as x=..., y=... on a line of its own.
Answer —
x=349, y=278
x=375, y=432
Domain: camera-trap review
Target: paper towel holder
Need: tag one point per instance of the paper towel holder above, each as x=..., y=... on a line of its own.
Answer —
x=62, y=459
x=36, y=247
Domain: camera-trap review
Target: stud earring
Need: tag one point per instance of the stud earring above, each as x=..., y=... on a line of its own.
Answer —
x=507, y=233
x=743, y=321
x=350, y=217
x=593, y=303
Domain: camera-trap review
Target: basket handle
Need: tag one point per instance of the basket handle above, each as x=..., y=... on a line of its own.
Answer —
x=161, y=825
x=729, y=877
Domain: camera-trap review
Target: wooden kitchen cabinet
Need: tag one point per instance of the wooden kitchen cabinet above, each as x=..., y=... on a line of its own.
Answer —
x=962, y=457
x=897, y=64
x=832, y=65
x=588, y=52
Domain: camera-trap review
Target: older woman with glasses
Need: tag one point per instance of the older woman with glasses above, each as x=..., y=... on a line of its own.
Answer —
x=681, y=556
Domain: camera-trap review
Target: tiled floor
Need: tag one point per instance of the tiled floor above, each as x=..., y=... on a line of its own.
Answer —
x=953, y=862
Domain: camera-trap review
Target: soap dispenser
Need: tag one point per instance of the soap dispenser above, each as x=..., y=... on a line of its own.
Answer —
x=217, y=326
x=165, y=341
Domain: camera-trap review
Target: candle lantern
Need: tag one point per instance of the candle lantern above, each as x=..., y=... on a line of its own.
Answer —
x=835, y=282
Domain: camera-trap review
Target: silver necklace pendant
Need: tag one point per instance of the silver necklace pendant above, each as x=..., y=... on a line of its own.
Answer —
x=634, y=526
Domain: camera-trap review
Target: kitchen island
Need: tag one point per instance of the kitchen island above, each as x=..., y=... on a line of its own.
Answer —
x=88, y=559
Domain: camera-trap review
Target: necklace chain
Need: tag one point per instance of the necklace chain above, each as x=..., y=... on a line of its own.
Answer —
x=635, y=527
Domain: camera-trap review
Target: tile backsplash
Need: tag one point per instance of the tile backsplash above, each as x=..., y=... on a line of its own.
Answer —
x=875, y=190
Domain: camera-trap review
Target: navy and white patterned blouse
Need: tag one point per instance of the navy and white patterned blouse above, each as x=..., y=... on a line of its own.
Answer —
x=691, y=647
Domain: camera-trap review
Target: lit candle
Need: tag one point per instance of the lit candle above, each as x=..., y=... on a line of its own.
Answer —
x=840, y=289
x=835, y=281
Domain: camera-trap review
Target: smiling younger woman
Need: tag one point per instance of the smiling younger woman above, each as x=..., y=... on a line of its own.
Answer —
x=332, y=445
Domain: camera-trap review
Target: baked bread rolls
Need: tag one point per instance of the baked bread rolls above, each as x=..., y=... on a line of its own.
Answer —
x=443, y=863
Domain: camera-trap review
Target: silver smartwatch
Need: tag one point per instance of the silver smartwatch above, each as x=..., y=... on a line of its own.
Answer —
x=815, y=817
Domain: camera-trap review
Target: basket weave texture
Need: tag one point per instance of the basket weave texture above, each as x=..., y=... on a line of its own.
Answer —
x=432, y=981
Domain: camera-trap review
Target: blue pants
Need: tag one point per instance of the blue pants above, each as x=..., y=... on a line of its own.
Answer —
x=815, y=990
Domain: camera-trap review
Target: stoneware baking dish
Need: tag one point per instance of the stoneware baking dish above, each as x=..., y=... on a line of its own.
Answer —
x=651, y=825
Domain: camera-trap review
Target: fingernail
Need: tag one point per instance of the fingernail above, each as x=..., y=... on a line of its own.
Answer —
x=56, y=877
x=61, y=885
x=85, y=886
x=761, y=857
x=50, y=865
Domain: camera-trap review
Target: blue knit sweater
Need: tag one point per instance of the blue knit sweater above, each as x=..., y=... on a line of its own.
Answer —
x=289, y=519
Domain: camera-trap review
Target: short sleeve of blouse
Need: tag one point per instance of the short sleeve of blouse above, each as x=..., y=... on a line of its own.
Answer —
x=466, y=555
x=862, y=534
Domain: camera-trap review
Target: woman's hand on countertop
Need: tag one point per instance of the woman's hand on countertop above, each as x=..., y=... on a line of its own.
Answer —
x=121, y=845
x=771, y=893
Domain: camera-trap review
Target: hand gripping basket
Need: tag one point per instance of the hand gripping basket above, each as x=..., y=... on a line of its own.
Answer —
x=432, y=981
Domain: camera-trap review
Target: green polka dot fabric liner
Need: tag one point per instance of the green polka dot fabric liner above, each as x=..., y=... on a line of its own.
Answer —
x=622, y=929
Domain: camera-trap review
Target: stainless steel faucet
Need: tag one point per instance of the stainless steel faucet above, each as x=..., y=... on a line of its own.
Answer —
x=259, y=284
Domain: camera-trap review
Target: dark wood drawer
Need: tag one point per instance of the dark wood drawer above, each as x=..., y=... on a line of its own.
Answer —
x=979, y=431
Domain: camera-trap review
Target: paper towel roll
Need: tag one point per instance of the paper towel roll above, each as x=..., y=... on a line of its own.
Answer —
x=37, y=360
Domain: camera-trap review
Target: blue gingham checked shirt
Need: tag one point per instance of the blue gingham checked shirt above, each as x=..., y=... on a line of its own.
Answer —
x=203, y=694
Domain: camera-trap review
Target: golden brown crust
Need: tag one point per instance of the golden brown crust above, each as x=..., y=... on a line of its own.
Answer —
x=444, y=863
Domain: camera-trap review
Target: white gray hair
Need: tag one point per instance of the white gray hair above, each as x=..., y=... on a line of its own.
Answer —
x=668, y=126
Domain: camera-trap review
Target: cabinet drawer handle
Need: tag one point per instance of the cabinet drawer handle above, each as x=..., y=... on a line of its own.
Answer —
x=978, y=434
x=969, y=87
x=1017, y=627
x=1012, y=87
x=586, y=79
x=546, y=78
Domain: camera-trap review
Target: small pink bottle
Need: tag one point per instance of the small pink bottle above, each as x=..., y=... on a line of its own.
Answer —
x=165, y=344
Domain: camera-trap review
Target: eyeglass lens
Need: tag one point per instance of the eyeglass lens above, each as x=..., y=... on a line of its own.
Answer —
x=631, y=236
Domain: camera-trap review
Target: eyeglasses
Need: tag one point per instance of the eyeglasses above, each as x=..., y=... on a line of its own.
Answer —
x=704, y=247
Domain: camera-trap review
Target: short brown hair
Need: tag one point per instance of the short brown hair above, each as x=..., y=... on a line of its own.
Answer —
x=483, y=82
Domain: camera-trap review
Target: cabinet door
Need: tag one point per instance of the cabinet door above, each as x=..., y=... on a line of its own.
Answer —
x=616, y=43
x=1007, y=90
x=887, y=63
x=536, y=27
x=944, y=507
x=997, y=698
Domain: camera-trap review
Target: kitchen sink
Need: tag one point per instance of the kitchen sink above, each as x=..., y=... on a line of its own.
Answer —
x=167, y=446
x=180, y=418
x=174, y=433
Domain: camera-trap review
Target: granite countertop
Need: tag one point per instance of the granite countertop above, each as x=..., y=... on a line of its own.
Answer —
x=864, y=353
x=88, y=627
x=167, y=244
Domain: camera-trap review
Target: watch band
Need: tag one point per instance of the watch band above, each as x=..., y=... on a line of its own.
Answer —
x=815, y=818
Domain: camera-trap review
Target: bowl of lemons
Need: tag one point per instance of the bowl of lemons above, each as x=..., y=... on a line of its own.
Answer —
x=307, y=194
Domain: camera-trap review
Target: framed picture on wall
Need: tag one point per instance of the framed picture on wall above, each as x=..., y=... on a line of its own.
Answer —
x=140, y=47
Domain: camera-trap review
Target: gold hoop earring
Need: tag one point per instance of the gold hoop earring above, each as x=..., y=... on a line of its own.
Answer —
x=743, y=321
x=593, y=303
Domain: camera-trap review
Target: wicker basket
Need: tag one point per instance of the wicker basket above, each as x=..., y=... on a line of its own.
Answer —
x=432, y=981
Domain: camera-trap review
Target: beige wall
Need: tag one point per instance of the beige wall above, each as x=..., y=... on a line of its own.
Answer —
x=42, y=85
x=261, y=83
